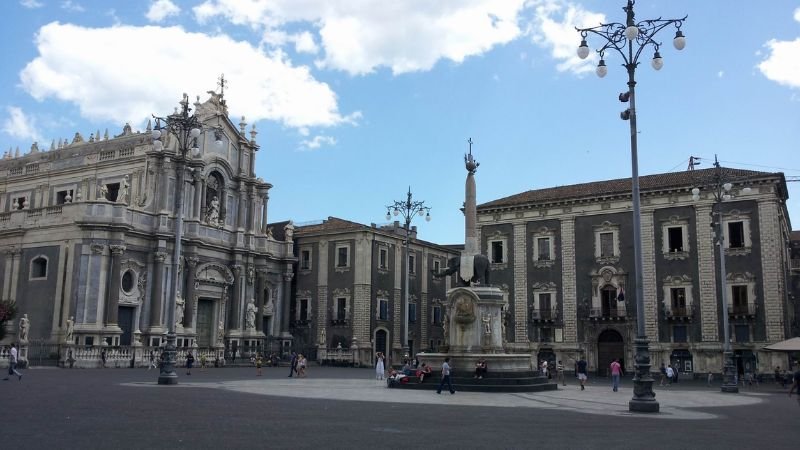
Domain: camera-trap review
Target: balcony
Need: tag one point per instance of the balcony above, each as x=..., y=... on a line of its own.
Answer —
x=607, y=314
x=339, y=322
x=678, y=313
x=745, y=311
x=544, y=314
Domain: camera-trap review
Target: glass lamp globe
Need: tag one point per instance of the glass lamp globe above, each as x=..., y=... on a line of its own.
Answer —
x=631, y=32
x=428, y=217
x=680, y=40
x=156, y=134
x=583, y=50
x=195, y=132
x=396, y=212
x=657, y=62
x=602, y=70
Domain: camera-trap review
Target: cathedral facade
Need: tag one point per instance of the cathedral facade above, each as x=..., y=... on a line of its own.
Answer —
x=87, y=231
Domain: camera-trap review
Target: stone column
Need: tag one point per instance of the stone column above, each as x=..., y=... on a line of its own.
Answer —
x=260, y=300
x=241, y=223
x=264, y=214
x=112, y=295
x=158, y=289
x=234, y=318
x=287, y=298
x=706, y=264
x=198, y=191
x=568, y=270
x=190, y=297
x=253, y=217
x=520, y=285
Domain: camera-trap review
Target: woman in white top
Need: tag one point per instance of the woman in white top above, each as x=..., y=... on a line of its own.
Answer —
x=380, y=369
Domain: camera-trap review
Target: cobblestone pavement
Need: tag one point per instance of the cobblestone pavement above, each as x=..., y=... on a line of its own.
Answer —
x=347, y=408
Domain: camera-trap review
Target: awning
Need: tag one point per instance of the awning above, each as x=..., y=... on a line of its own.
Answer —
x=789, y=345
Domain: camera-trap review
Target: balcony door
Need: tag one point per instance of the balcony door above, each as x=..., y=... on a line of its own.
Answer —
x=608, y=301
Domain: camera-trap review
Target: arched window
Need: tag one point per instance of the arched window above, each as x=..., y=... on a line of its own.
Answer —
x=38, y=268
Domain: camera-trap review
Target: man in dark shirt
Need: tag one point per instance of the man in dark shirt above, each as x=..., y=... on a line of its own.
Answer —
x=582, y=372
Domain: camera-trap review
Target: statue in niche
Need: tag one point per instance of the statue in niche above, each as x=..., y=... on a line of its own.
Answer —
x=123, y=191
x=221, y=330
x=213, y=211
x=180, y=304
x=250, y=319
x=70, y=329
x=487, y=323
x=103, y=195
x=24, y=326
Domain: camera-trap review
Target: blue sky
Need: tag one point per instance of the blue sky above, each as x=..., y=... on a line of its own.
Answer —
x=357, y=100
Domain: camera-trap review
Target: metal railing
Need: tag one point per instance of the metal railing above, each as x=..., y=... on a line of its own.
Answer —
x=678, y=311
x=607, y=313
x=544, y=313
x=742, y=310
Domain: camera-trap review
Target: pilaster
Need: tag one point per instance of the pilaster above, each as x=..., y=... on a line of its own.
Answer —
x=707, y=277
x=649, y=285
x=772, y=272
x=569, y=280
x=520, y=285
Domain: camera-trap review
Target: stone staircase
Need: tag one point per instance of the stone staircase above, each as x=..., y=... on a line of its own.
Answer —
x=491, y=382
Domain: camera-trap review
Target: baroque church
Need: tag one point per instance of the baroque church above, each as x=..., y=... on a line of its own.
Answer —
x=87, y=231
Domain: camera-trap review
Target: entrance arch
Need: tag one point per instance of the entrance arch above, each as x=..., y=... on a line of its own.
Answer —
x=610, y=346
x=381, y=339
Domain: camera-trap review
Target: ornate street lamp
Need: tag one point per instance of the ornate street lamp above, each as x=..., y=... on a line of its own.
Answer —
x=186, y=129
x=629, y=39
x=408, y=209
x=720, y=189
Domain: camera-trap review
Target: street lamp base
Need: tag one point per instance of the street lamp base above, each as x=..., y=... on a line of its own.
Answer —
x=168, y=378
x=643, y=406
x=644, y=399
x=730, y=388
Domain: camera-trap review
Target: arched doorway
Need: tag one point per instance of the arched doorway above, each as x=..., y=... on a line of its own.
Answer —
x=610, y=346
x=381, y=338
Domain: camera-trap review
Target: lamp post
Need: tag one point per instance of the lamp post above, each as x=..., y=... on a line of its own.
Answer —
x=186, y=129
x=721, y=191
x=408, y=209
x=629, y=39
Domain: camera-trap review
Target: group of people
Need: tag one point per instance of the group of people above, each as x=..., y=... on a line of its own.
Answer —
x=298, y=365
x=669, y=375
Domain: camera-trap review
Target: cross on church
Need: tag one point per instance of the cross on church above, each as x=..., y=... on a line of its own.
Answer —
x=221, y=84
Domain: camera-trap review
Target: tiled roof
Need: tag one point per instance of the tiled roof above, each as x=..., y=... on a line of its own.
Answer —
x=622, y=186
x=331, y=224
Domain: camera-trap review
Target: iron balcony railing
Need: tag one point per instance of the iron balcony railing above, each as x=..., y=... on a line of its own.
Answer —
x=607, y=313
x=544, y=313
x=742, y=310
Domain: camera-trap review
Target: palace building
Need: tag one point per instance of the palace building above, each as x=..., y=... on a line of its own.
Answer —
x=565, y=258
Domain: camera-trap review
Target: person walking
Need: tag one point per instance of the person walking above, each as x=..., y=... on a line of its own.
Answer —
x=301, y=366
x=446, y=377
x=616, y=372
x=12, y=363
x=103, y=358
x=380, y=366
x=152, y=360
x=663, y=374
x=189, y=362
x=560, y=374
x=581, y=368
x=259, y=362
x=203, y=362
x=293, y=364
x=670, y=375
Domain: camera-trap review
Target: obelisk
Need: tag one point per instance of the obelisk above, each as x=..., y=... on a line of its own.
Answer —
x=471, y=246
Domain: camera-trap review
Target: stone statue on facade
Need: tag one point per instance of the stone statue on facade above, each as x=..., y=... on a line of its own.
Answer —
x=221, y=330
x=487, y=323
x=103, y=195
x=269, y=233
x=24, y=327
x=322, y=339
x=288, y=231
x=123, y=191
x=213, y=211
x=69, y=338
x=250, y=319
x=180, y=304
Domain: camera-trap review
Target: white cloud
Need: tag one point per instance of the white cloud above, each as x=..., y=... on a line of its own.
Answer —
x=720, y=74
x=782, y=63
x=553, y=27
x=797, y=14
x=69, y=5
x=20, y=126
x=31, y=4
x=304, y=43
x=92, y=68
x=161, y=9
x=317, y=142
x=360, y=36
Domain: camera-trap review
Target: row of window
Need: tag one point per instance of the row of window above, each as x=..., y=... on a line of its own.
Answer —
x=607, y=242
x=343, y=259
x=341, y=310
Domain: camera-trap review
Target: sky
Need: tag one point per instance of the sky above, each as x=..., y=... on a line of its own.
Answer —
x=355, y=101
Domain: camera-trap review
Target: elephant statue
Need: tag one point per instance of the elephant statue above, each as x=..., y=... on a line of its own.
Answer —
x=480, y=265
